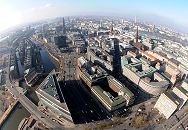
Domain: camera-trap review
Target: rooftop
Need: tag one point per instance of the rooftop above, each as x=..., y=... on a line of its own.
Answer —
x=173, y=97
x=122, y=87
x=107, y=97
x=144, y=71
x=149, y=56
x=90, y=70
x=140, y=68
x=50, y=89
x=112, y=93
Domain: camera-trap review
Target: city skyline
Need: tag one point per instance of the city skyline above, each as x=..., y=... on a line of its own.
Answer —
x=172, y=13
x=92, y=71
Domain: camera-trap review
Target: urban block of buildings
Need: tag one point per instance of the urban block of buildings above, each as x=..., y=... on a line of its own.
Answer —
x=109, y=91
x=14, y=71
x=100, y=57
x=143, y=75
x=172, y=100
x=51, y=97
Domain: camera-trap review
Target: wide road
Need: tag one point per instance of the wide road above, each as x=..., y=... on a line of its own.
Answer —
x=30, y=106
x=82, y=106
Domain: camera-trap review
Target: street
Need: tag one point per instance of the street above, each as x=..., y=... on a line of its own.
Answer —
x=81, y=104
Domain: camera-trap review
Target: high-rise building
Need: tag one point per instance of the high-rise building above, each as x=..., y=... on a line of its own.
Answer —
x=143, y=75
x=60, y=41
x=109, y=91
x=111, y=29
x=59, y=29
x=64, y=28
x=116, y=57
x=136, y=36
x=100, y=25
x=51, y=97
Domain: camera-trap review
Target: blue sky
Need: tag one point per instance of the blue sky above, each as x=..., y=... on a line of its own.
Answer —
x=23, y=11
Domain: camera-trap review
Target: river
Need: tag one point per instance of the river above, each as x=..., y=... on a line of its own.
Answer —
x=20, y=112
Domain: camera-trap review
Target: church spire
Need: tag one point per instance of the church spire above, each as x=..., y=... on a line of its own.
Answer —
x=136, y=36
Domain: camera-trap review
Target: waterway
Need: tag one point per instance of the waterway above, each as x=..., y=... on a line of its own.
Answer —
x=21, y=68
x=20, y=112
x=47, y=60
x=15, y=118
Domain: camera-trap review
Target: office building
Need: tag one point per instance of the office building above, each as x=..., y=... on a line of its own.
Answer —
x=51, y=97
x=143, y=75
x=1, y=75
x=172, y=100
x=109, y=91
x=14, y=70
x=167, y=104
x=88, y=72
x=100, y=57
x=32, y=76
x=60, y=41
x=64, y=28
x=112, y=94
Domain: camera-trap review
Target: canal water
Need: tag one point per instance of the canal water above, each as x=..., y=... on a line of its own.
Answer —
x=15, y=118
x=20, y=112
x=21, y=68
x=47, y=61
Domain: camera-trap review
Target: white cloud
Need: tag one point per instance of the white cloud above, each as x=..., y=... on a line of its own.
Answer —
x=47, y=5
x=9, y=17
x=43, y=12
x=33, y=9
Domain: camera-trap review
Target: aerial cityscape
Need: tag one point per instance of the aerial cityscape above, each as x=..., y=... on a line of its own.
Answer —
x=94, y=65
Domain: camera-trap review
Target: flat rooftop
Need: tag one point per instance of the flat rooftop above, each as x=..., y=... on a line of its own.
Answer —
x=109, y=91
x=173, y=97
x=134, y=64
x=90, y=70
x=107, y=97
x=50, y=88
x=121, y=86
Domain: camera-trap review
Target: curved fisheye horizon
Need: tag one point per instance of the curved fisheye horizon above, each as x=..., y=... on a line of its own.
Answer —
x=93, y=65
x=18, y=12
